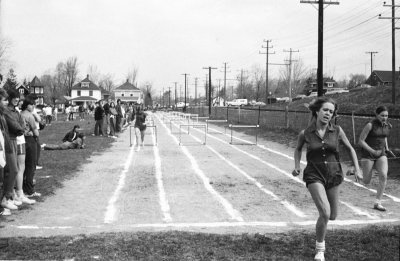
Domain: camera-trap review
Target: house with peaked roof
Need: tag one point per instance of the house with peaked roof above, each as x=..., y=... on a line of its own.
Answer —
x=329, y=85
x=85, y=93
x=36, y=87
x=128, y=92
x=382, y=78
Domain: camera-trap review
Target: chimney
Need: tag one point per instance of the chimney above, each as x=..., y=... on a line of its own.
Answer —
x=127, y=80
x=87, y=76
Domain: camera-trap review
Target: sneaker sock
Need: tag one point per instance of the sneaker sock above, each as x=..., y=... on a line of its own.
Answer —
x=320, y=246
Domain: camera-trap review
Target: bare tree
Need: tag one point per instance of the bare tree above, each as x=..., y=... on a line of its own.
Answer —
x=52, y=90
x=71, y=71
x=148, y=92
x=132, y=74
x=107, y=82
x=4, y=47
x=94, y=73
x=258, y=82
x=299, y=72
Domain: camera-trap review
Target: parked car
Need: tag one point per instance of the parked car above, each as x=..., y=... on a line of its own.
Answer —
x=181, y=105
x=299, y=97
x=237, y=102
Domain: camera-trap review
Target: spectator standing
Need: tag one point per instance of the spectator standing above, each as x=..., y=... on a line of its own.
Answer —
x=6, y=148
x=106, y=108
x=113, y=114
x=48, y=112
x=38, y=121
x=99, y=118
x=323, y=173
x=31, y=133
x=118, y=123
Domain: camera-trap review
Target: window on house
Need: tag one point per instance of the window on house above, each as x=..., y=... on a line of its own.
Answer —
x=122, y=95
x=90, y=93
x=131, y=94
x=85, y=84
x=78, y=93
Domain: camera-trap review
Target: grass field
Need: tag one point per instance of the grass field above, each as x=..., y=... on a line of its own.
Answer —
x=367, y=243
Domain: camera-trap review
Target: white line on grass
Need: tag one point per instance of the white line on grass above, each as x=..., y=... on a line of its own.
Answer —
x=289, y=175
x=395, y=199
x=163, y=199
x=348, y=222
x=233, y=213
x=109, y=216
x=285, y=203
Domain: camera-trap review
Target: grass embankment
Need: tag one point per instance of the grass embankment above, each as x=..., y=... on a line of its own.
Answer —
x=371, y=243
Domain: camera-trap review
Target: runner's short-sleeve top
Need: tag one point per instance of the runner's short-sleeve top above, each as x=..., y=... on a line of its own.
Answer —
x=376, y=138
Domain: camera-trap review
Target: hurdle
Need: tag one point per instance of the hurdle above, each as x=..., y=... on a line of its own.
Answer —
x=147, y=126
x=231, y=126
x=188, y=132
x=207, y=121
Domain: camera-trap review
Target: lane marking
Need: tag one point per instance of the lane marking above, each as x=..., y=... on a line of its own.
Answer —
x=160, y=184
x=348, y=222
x=289, y=175
x=109, y=216
x=233, y=213
x=285, y=203
x=395, y=199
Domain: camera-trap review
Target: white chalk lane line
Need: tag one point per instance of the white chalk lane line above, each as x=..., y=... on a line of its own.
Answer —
x=356, y=210
x=395, y=199
x=232, y=212
x=292, y=208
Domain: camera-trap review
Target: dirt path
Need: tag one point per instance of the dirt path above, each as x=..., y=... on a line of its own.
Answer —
x=217, y=187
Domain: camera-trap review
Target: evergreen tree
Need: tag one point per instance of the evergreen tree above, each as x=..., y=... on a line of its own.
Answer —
x=11, y=82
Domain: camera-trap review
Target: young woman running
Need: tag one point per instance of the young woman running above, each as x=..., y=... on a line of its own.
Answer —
x=374, y=150
x=323, y=173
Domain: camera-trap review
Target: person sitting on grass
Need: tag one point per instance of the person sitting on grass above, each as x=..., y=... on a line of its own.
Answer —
x=78, y=143
x=72, y=135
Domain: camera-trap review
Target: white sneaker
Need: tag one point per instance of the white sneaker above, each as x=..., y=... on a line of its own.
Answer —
x=39, y=167
x=34, y=194
x=8, y=203
x=5, y=212
x=319, y=256
x=26, y=200
x=17, y=202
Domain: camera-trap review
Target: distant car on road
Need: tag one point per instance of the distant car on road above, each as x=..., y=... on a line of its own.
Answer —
x=181, y=105
x=237, y=102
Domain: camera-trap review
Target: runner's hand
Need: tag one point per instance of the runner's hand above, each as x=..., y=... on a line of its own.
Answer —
x=296, y=172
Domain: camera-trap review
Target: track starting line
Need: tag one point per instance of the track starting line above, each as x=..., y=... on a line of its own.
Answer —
x=349, y=222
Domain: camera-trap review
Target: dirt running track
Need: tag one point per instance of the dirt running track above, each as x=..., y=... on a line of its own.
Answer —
x=213, y=188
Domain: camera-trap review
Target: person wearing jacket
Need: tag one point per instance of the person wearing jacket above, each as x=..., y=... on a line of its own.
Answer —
x=72, y=135
x=99, y=118
x=14, y=129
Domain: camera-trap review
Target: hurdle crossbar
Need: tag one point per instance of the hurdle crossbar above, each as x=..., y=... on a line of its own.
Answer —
x=193, y=126
x=232, y=126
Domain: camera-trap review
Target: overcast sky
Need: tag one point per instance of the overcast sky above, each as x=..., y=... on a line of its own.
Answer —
x=166, y=38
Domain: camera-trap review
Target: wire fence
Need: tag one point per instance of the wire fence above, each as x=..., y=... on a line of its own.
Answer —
x=352, y=124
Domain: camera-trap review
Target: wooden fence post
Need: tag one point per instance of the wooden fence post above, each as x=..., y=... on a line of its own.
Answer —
x=287, y=116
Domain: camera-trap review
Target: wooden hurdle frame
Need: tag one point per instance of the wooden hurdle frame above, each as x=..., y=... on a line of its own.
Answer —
x=231, y=126
x=147, y=126
x=188, y=132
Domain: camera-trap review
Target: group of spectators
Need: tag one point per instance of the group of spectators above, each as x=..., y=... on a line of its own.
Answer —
x=19, y=149
x=110, y=117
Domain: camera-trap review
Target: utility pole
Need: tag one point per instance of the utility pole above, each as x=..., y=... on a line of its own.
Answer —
x=224, y=83
x=195, y=90
x=393, y=18
x=266, y=67
x=169, y=96
x=185, y=74
x=209, y=87
x=290, y=72
x=320, y=73
x=175, y=91
x=206, y=87
x=372, y=54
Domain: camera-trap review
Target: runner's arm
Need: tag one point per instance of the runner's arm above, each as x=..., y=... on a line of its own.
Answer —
x=353, y=153
x=298, y=152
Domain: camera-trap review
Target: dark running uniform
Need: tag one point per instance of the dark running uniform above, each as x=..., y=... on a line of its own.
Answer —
x=323, y=164
x=376, y=139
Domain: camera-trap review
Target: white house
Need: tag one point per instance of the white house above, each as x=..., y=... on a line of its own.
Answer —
x=128, y=92
x=85, y=93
